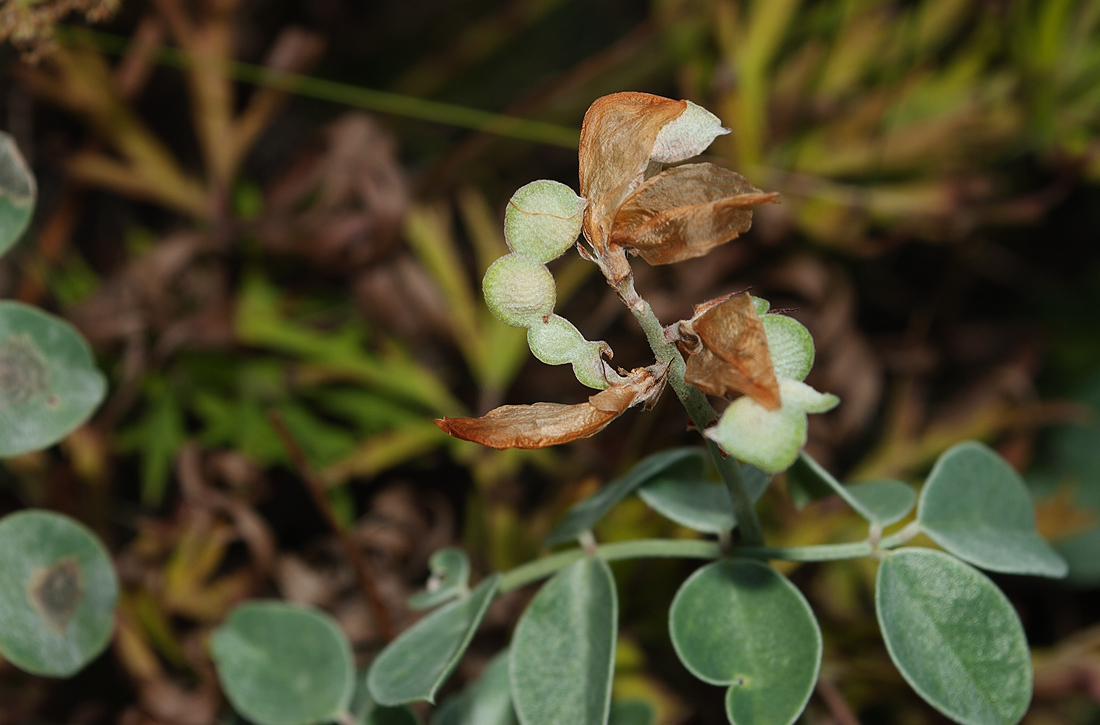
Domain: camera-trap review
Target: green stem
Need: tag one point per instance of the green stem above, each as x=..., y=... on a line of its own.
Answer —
x=698, y=409
x=907, y=532
x=326, y=90
x=680, y=548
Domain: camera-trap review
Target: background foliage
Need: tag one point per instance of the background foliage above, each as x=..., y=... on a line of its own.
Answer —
x=271, y=221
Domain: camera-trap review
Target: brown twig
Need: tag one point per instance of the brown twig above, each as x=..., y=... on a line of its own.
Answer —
x=316, y=489
x=834, y=700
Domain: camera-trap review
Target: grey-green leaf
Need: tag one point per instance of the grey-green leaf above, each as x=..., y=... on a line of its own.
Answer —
x=488, y=701
x=18, y=192
x=976, y=506
x=790, y=345
x=743, y=624
x=281, y=664
x=587, y=513
x=415, y=665
x=700, y=505
x=57, y=593
x=365, y=711
x=450, y=578
x=954, y=636
x=563, y=650
x=48, y=381
x=880, y=502
x=632, y=712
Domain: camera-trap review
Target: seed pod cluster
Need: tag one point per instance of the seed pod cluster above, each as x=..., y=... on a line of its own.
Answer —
x=542, y=221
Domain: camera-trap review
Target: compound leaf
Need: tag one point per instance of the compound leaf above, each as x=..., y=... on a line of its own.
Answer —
x=954, y=636
x=563, y=650
x=415, y=665
x=57, y=593
x=743, y=624
x=281, y=664
x=977, y=507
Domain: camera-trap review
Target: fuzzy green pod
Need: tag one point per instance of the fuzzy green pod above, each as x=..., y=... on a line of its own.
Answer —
x=687, y=135
x=543, y=220
x=590, y=369
x=519, y=291
x=555, y=341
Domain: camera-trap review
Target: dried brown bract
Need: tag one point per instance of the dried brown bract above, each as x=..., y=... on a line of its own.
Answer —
x=30, y=25
x=685, y=212
x=677, y=214
x=727, y=351
x=549, y=424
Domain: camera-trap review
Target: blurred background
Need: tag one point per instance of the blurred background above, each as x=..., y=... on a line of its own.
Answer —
x=271, y=220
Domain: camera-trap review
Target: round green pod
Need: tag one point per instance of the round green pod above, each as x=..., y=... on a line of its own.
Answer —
x=555, y=341
x=543, y=220
x=519, y=291
x=590, y=369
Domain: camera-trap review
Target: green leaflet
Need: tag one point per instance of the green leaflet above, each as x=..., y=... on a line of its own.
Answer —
x=282, y=664
x=415, y=665
x=563, y=650
x=57, y=593
x=954, y=636
x=743, y=624
x=977, y=507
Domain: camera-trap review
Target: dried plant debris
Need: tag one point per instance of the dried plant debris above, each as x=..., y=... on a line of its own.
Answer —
x=726, y=349
x=30, y=25
x=549, y=424
x=679, y=213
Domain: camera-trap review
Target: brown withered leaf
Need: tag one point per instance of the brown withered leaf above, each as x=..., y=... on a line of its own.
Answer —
x=549, y=424
x=732, y=353
x=617, y=138
x=686, y=211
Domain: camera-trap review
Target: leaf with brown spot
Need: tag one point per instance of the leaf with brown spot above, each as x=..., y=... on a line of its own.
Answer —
x=685, y=212
x=617, y=139
x=55, y=592
x=733, y=355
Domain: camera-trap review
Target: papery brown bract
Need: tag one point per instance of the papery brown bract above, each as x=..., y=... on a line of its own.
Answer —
x=549, y=424
x=617, y=139
x=685, y=212
x=730, y=352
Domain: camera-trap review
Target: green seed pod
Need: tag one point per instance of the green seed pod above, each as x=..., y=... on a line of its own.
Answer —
x=590, y=368
x=519, y=291
x=543, y=220
x=687, y=135
x=555, y=341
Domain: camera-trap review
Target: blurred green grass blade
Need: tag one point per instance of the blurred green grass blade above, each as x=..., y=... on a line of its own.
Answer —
x=156, y=438
x=259, y=322
x=428, y=232
x=326, y=90
x=384, y=451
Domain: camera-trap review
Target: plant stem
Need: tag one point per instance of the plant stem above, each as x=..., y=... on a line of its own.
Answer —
x=680, y=548
x=907, y=532
x=698, y=409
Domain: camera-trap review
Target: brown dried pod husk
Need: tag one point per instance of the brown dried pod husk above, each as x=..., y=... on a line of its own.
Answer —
x=617, y=139
x=542, y=425
x=727, y=352
x=685, y=212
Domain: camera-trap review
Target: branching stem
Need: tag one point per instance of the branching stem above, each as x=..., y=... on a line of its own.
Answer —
x=681, y=549
x=698, y=409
